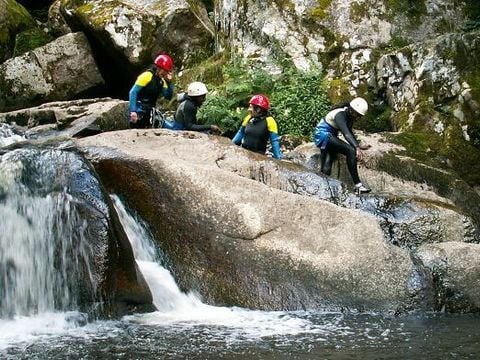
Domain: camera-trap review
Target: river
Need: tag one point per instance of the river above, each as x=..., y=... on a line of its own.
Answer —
x=186, y=328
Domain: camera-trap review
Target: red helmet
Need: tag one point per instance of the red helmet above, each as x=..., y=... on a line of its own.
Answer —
x=164, y=61
x=260, y=100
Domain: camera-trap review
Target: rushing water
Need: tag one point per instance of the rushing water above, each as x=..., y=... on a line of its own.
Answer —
x=185, y=328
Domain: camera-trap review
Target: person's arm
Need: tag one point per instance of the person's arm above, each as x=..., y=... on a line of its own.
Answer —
x=342, y=124
x=167, y=89
x=142, y=80
x=132, y=99
x=274, y=138
x=237, y=139
x=190, y=119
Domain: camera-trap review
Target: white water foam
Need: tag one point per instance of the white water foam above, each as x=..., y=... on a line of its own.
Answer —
x=26, y=329
x=8, y=135
x=176, y=308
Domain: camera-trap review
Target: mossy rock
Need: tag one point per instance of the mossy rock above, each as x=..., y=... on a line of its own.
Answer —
x=15, y=19
x=450, y=169
x=29, y=40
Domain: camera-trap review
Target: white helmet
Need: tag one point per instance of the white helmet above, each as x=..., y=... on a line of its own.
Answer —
x=197, y=88
x=360, y=105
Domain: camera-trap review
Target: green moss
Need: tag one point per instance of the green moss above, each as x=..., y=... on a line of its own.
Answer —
x=18, y=19
x=209, y=71
x=338, y=90
x=412, y=8
x=358, y=11
x=396, y=43
x=284, y=4
x=321, y=11
x=449, y=151
x=29, y=40
x=377, y=119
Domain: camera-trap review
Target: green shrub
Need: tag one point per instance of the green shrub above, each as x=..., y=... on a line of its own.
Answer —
x=298, y=102
x=297, y=99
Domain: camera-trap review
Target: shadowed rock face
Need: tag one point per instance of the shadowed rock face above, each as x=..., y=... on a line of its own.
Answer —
x=240, y=241
x=106, y=271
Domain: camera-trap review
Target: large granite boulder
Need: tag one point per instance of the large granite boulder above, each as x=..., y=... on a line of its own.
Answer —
x=61, y=70
x=388, y=170
x=237, y=233
x=455, y=268
x=127, y=35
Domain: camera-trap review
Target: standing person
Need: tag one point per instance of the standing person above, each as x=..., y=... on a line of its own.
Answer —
x=156, y=80
x=186, y=115
x=258, y=127
x=341, y=119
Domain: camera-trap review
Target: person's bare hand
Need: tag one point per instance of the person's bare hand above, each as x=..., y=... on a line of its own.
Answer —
x=169, y=76
x=133, y=117
x=215, y=129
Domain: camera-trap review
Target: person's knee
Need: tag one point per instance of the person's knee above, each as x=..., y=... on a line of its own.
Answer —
x=351, y=152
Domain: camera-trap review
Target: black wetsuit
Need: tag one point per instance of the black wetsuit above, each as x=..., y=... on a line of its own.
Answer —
x=186, y=116
x=144, y=95
x=326, y=138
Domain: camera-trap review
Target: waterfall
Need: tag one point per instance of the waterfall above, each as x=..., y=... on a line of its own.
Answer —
x=9, y=135
x=43, y=250
x=176, y=308
x=167, y=297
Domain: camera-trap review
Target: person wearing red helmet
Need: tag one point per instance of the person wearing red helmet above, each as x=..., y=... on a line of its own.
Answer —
x=258, y=127
x=150, y=84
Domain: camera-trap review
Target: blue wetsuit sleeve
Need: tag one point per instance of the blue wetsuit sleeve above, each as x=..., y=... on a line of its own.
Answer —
x=237, y=139
x=275, y=140
x=132, y=97
x=341, y=121
x=167, y=91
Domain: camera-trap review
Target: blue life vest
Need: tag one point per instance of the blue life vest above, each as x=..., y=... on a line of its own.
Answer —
x=322, y=133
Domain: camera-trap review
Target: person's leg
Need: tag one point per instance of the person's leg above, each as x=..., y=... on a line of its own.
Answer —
x=326, y=161
x=338, y=146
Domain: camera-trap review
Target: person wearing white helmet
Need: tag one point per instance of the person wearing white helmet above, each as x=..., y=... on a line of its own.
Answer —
x=186, y=114
x=340, y=119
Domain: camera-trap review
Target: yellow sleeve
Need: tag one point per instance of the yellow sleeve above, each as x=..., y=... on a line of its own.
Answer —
x=246, y=120
x=272, y=125
x=164, y=83
x=144, y=78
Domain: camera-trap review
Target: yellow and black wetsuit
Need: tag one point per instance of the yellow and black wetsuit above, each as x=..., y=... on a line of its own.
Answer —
x=144, y=94
x=255, y=132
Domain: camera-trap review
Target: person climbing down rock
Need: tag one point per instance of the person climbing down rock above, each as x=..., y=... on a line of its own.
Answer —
x=341, y=119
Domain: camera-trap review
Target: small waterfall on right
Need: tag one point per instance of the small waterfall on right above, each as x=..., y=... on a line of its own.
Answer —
x=175, y=307
x=167, y=296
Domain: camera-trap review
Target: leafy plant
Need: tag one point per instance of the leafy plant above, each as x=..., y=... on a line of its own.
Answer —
x=298, y=102
x=297, y=99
